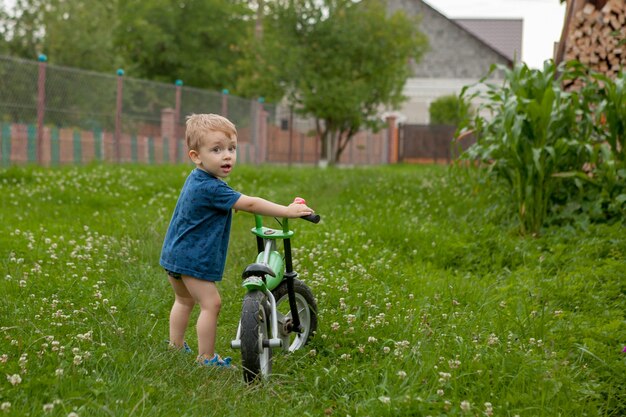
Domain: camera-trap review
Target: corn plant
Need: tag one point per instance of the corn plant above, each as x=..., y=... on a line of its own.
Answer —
x=612, y=109
x=529, y=129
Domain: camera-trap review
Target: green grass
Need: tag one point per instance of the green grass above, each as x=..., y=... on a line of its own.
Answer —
x=428, y=299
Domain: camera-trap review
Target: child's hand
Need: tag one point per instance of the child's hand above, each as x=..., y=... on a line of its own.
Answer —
x=298, y=210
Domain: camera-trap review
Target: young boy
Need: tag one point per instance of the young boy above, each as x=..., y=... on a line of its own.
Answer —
x=195, y=246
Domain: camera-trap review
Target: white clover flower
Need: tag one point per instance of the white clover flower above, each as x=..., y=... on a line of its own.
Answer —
x=403, y=344
x=78, y=360
x=386, y=349
x=5, y=406
x=440, y=392
x=454, y=363
x=465, y=405
x=492, y=340
x=14, y=379
x=4, y=358
x=73, y=414
x=384, y=400
x=334, y=326
x=48, y=407
x=444, y=376
x=401, y=374
x=372, y=339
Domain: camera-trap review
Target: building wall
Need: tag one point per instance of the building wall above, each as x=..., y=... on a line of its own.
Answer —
x=421, y=92
x=455, y=58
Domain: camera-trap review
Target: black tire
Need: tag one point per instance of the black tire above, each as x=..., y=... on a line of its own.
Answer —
x=307, y=312
x=255, y=318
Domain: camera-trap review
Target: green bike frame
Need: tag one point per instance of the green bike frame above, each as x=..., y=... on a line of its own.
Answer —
x=268, y=255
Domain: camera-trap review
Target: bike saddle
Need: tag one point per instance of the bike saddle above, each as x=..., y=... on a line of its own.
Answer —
x=257, y=270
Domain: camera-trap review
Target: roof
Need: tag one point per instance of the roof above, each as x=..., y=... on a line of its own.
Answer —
x=503, y=35
x=471, y=33
x=454, y=52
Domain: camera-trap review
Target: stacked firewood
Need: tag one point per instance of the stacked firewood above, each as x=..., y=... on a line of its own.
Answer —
x=597, y=36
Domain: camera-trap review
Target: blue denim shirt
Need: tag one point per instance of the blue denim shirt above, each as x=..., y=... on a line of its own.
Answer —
x=196, y=241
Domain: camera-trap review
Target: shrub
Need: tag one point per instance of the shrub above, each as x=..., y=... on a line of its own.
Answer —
x=449, y=110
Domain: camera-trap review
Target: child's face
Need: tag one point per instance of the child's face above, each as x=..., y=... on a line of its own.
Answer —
x=217, y=155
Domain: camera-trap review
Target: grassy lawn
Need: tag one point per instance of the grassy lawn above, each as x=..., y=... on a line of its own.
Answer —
x=430, y=304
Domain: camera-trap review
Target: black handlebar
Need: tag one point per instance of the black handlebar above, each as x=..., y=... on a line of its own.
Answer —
x=313, y=218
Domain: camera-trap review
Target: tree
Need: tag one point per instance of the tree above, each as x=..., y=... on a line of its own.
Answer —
x=4, y=30
x=76, y=33
x=198, y=41
x=339, y=61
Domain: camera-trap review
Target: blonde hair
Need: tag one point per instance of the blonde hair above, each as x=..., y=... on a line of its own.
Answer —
x=199, y=124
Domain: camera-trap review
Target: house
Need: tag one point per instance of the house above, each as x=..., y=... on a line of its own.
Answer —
x=460, y=53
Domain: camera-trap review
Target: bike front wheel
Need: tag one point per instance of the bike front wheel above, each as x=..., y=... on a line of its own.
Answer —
x=255, y=318
x=307, y=313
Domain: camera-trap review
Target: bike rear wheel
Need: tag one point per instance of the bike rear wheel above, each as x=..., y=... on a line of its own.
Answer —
x=307, y=313
x=255, y=318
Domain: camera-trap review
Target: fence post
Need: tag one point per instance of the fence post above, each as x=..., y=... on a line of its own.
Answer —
x=179, y=85
x=41, y=105
x=225, y=102
x=169, y=127
x=118, y=114
x=392, y=140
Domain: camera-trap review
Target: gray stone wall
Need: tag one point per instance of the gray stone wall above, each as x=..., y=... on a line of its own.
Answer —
x=453, y=52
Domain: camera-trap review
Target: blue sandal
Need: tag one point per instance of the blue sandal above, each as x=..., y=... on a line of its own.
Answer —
x=216, y=360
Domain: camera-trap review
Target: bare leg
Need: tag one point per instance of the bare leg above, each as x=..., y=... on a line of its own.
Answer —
x=181, y=310
x=205, y=293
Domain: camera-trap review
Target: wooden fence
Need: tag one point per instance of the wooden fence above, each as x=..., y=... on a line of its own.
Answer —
x=429, y=143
